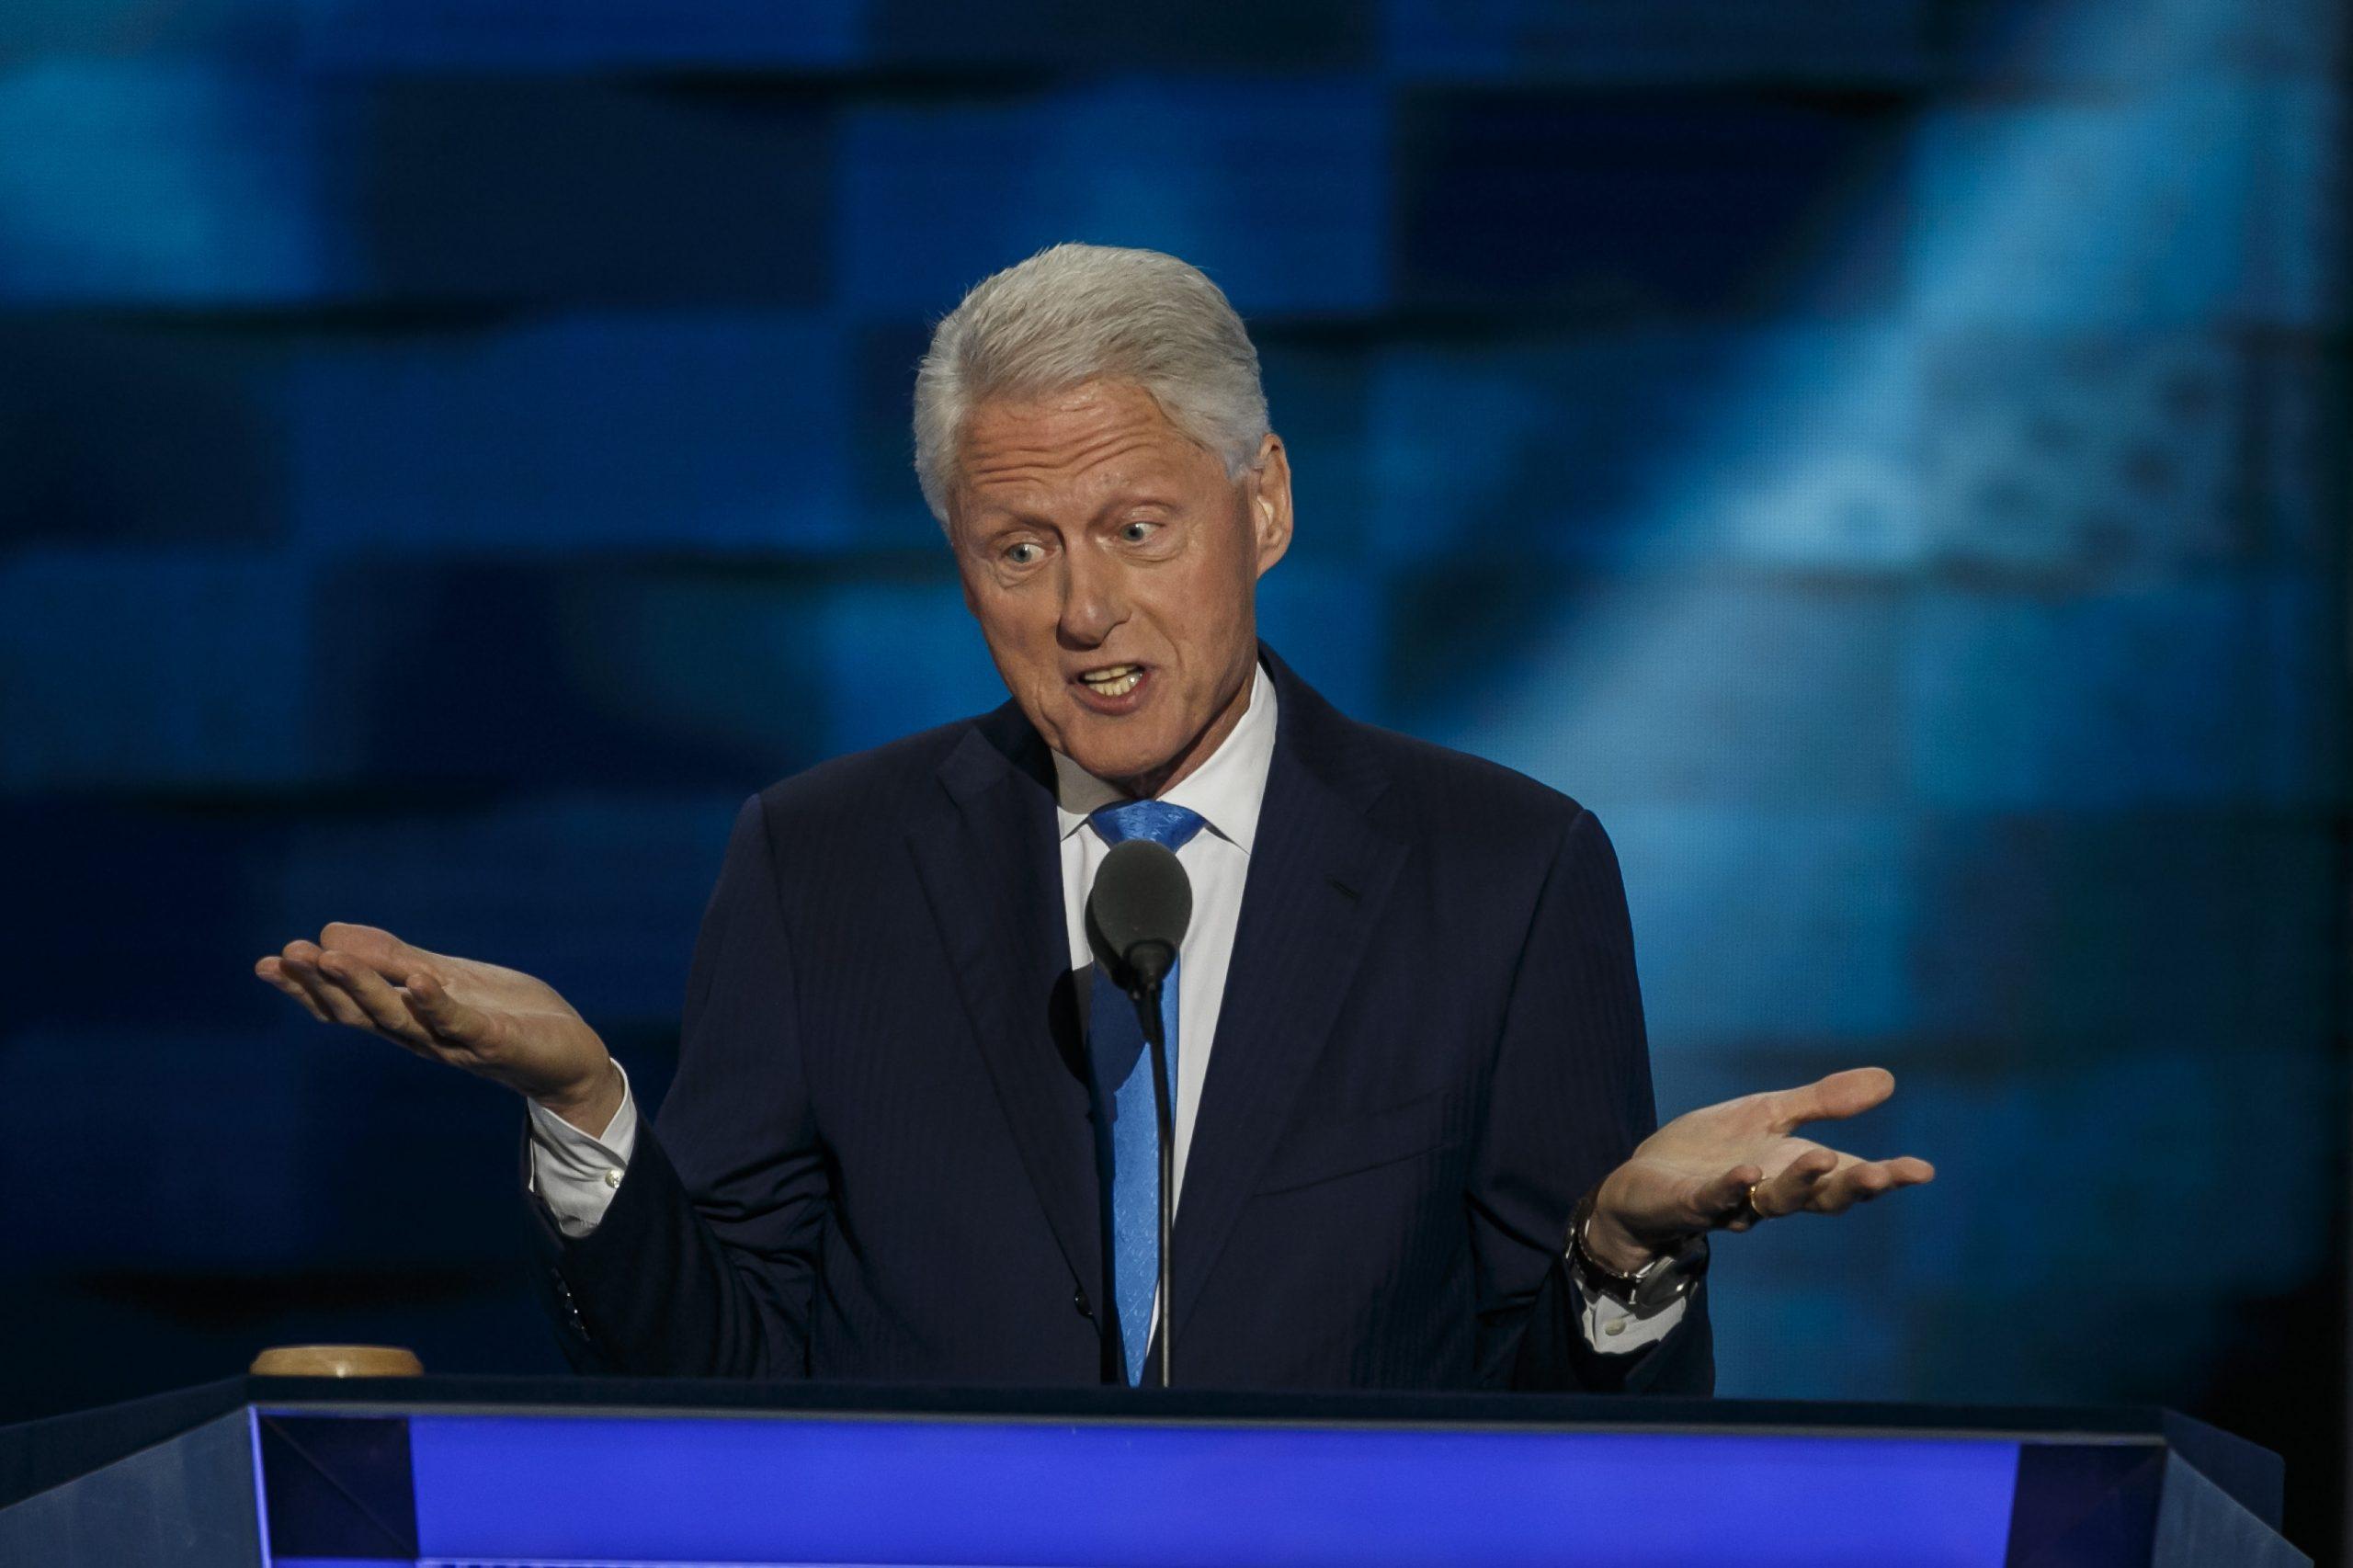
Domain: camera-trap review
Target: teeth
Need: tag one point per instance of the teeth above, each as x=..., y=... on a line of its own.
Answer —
x=1117, y=681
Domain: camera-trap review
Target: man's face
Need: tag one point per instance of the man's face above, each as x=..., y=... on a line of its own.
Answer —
x=1113, y=568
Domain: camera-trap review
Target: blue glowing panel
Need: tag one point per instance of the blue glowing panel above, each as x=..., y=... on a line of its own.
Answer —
x=1287, y=35
x=671, y=432
x=603, y=674
x=894, y=658
x=176, y=1129
x=128, y=435
x=564, y=35
x=2113, y=1108
x=2155, y=697
x=1860, y=1343
x=1791, y=446
x=155, y=180
x=1670, y=41
x=2081, y=47
x=1800, y=686
x=1278, y=193
x=31, y=29
x=2059, y=458
x=2158, y=928
x=2057, y=215
x=164, y=669
x=1658, y=205
x=1769, y=924
x=974, y=1493
x=62, y=982
x=1319, y=387
x=582, y=192
x=1323, y=618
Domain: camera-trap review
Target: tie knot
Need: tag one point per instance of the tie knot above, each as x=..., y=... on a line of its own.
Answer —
x=1169, y=827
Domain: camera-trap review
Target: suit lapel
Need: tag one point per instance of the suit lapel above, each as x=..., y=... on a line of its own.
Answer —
x=989, y=865
x=1319, y=874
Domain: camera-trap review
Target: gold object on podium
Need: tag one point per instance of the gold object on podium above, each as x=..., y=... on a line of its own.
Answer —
x=336, y=1361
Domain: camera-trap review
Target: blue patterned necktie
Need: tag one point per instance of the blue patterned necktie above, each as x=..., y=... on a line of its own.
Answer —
x=1127, y=1142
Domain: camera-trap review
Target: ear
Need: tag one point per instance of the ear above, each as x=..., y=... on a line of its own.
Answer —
x=1270, y=502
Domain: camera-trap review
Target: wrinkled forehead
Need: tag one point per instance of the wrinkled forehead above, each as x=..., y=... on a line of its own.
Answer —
x=1076, y=449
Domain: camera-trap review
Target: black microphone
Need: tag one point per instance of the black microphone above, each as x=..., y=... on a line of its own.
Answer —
x=1136, y=917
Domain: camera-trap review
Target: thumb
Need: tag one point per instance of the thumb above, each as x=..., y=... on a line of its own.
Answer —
x=1834, y=1097
x=448, y=1019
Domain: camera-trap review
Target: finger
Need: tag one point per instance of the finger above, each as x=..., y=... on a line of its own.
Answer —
x=1835, y=1097
x=449, y=1020
x=1723, y=1203
x=279, y=980
x=1795, y=1185
x=1868, y=1179
x=392, y=960
x=1858, y=1183
x=380, y=1002
x=300, y=962
x=1897, y=1172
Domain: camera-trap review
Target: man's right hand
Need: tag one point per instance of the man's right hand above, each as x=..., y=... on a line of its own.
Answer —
x=497, y=1023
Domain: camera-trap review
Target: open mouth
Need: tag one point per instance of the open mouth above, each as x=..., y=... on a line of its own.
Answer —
x=1112, y=680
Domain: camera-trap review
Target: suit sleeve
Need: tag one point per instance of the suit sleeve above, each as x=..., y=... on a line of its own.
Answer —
x=1570, y=1098
x=705, y=1263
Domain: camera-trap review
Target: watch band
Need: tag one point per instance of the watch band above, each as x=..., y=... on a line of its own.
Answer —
x=1659, y=1283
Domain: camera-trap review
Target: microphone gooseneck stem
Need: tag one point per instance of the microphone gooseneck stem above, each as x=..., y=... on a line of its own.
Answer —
x=1147, y=999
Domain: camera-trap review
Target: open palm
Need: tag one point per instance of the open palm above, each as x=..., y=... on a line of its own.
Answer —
x=1699, y=1172
x=498, y=1023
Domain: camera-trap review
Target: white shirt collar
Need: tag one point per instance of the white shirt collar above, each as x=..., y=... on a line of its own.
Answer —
x=1225, y=789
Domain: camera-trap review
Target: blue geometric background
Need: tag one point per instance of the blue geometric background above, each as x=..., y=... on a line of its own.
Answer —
x=1884, y=456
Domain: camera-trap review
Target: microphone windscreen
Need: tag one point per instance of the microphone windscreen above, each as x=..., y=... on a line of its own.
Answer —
x=1140, y=895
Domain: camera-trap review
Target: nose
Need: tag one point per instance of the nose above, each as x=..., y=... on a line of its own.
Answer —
x=1094, y=599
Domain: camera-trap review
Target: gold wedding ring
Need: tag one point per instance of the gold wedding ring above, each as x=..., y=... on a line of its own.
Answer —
x=1749, y=1212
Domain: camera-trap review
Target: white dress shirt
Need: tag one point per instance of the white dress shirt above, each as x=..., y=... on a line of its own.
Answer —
x=1225, y=792
x=576, y=1175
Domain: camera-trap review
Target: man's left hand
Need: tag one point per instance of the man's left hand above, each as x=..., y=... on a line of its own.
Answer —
x=1699, y=1172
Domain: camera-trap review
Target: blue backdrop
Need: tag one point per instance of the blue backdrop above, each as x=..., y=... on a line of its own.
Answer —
x=1885, y=456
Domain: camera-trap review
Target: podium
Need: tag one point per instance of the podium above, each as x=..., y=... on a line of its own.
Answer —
x=501, y=1472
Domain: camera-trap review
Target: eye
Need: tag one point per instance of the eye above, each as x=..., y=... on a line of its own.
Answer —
x=1138, y=531
x=1025, y=553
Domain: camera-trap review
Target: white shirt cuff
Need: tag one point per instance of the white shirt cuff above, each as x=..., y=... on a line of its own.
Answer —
x=1614, y=1328
x=575, y=1174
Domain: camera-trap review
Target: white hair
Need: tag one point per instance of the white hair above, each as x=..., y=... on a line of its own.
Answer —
x=1076, y=313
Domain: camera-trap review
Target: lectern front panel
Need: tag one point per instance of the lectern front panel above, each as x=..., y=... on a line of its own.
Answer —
x=651, y=1490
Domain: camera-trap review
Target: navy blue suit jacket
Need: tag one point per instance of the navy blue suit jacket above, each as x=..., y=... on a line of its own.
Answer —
x=875, y=1160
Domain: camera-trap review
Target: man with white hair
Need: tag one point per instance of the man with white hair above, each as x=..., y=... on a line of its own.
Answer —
x=911, y=1135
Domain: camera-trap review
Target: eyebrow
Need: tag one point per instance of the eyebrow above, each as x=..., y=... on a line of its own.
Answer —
x=997, y=518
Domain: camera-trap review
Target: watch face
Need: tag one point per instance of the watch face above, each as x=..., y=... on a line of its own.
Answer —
x=1670, y=1278
x=1659, y=1287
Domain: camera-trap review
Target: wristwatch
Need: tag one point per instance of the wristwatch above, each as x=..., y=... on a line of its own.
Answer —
x=1659, y=1283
